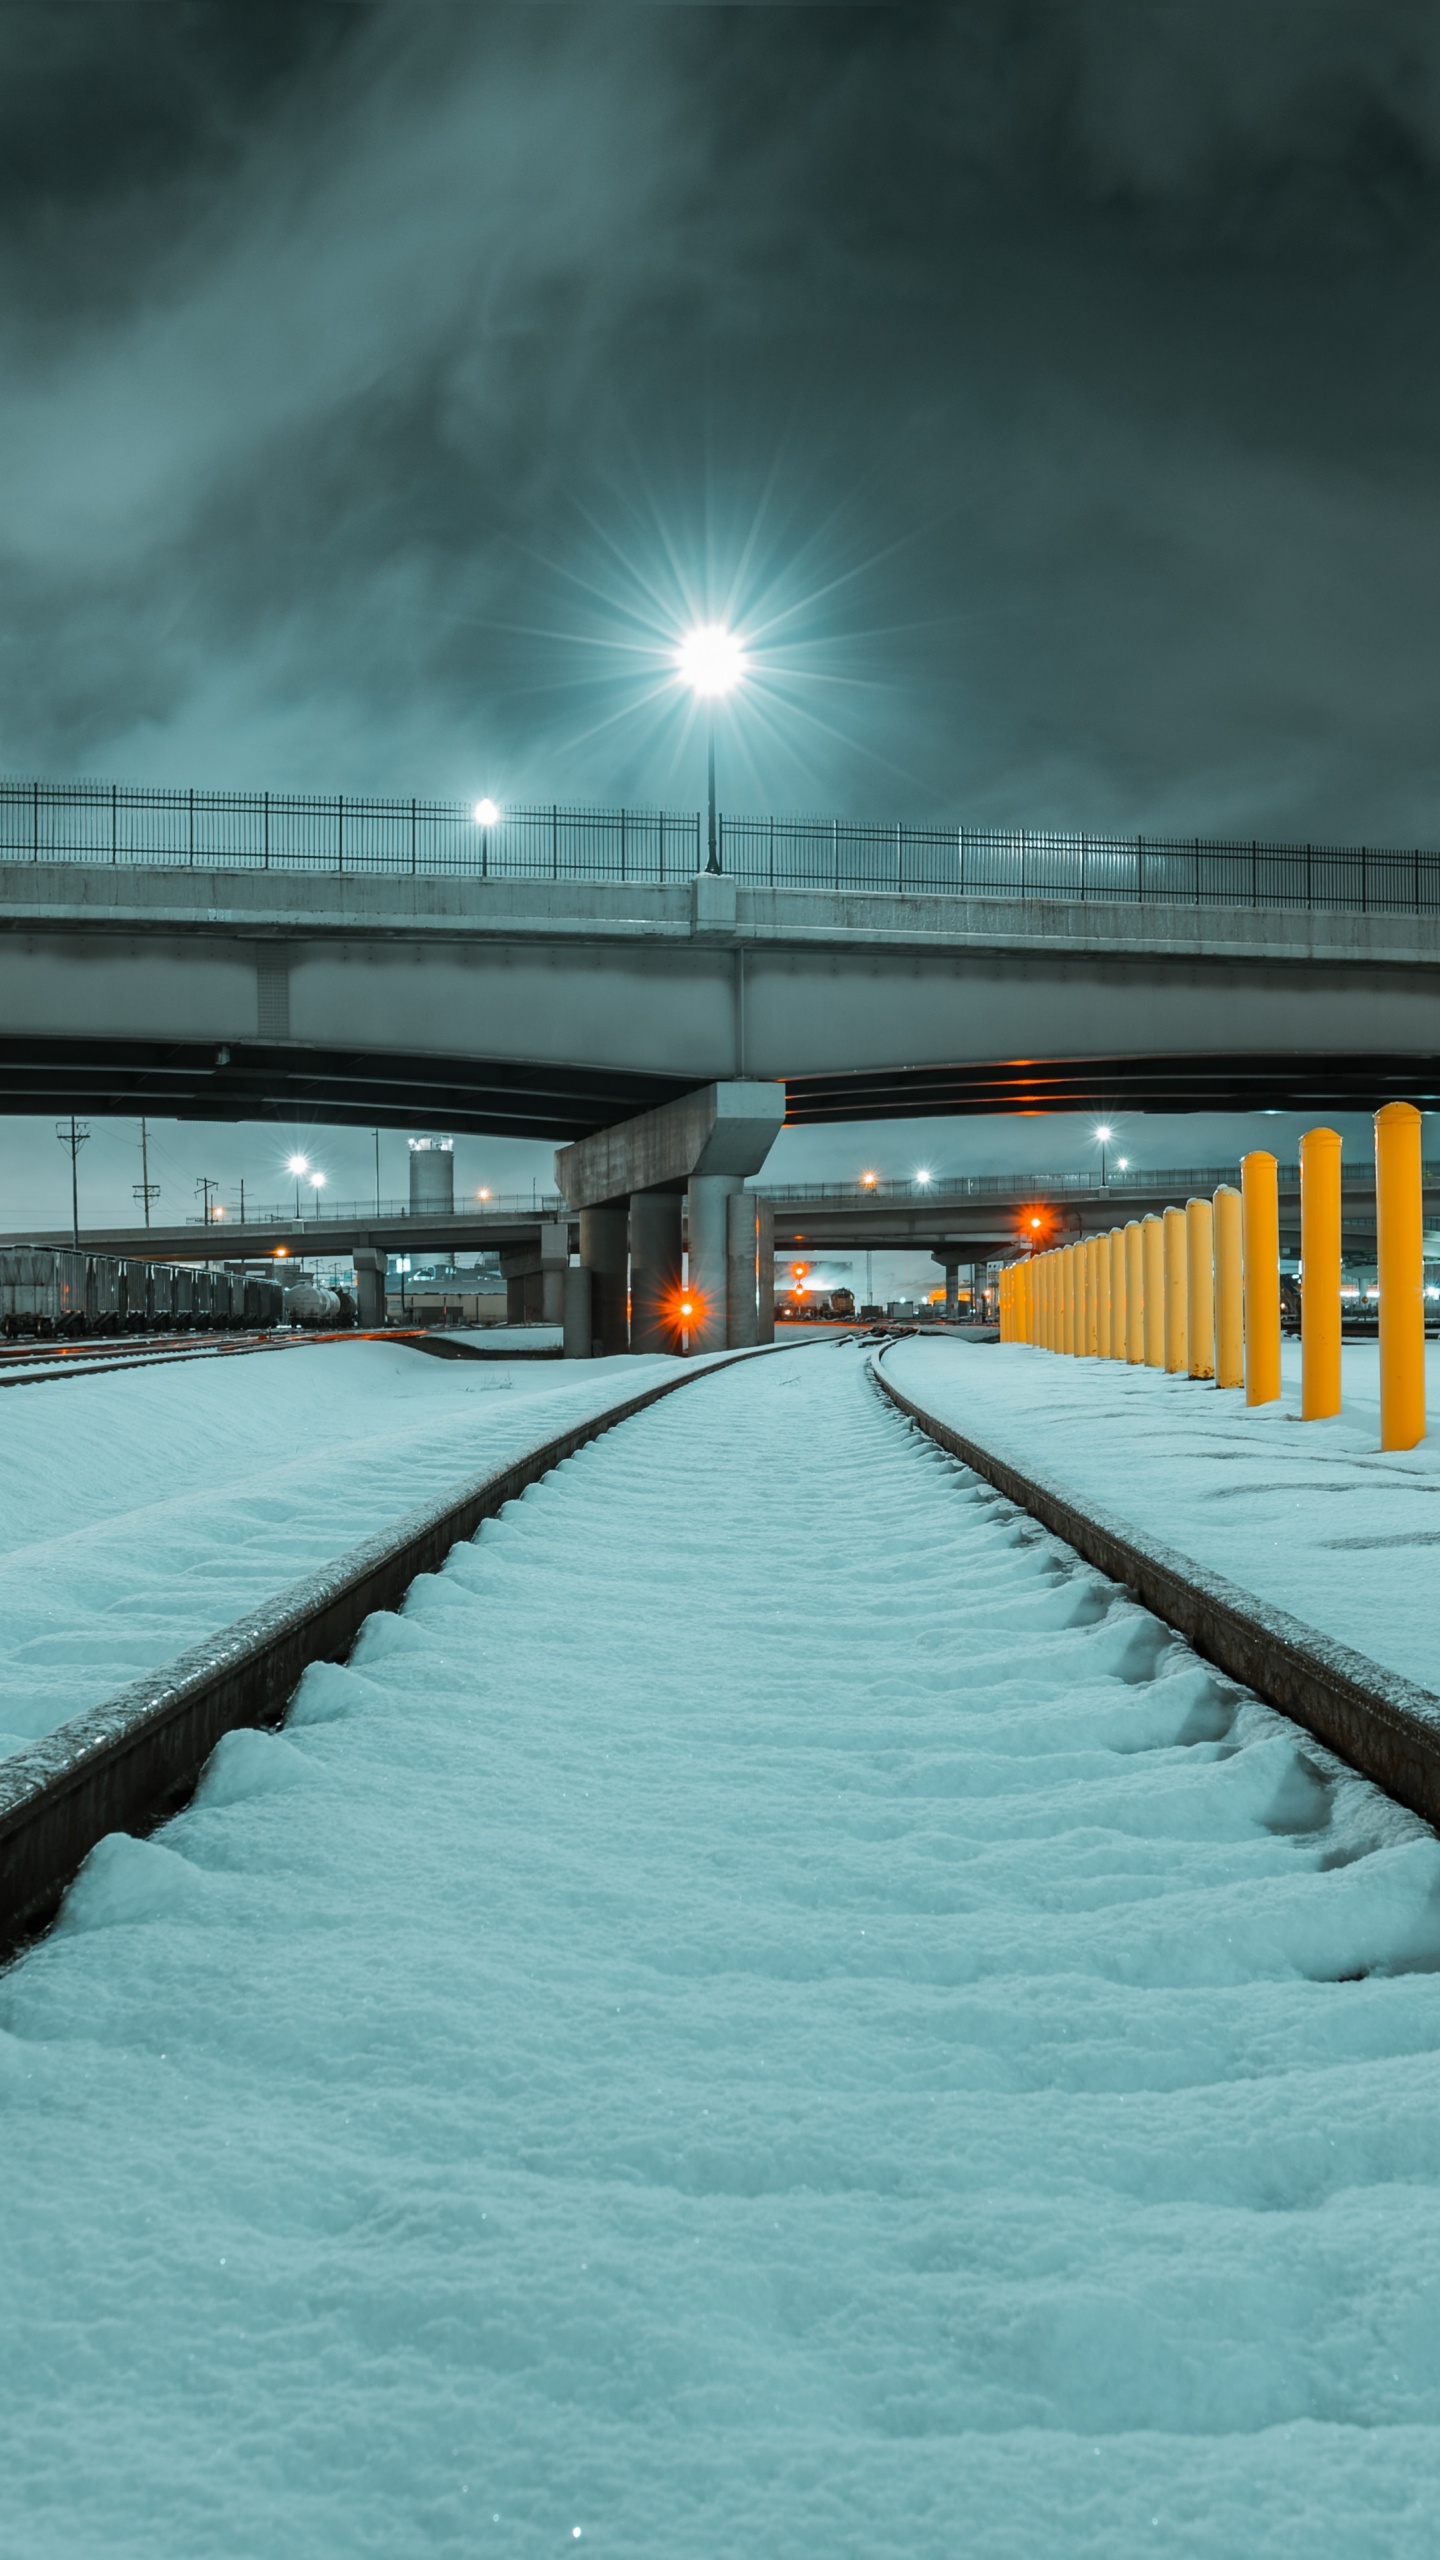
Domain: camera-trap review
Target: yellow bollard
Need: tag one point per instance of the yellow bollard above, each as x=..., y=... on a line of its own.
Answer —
x=1117, y=1293
x=1229, y=1290
x=1400, y=1252
x=1319, y=1274
x=1134, y=1292
x=1200, y=1288
x=1260, y=1207
x=1153, y=1287
x=1176, y=1329
x=1102, y=1298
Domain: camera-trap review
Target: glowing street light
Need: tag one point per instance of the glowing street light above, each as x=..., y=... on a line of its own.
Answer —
x=923, y=1178
x=317, y=1185
x=487, y=813
x=711, y=661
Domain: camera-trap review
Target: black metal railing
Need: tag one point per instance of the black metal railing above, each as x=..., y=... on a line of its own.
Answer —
x=127, y=824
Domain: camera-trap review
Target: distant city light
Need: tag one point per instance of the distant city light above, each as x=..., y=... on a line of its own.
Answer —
x=486, y=813
x=711, y=659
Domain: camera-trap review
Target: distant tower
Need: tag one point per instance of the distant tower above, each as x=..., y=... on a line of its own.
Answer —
x=432, y=1176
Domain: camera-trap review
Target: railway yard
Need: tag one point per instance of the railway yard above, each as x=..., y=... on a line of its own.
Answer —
x=766, y=2007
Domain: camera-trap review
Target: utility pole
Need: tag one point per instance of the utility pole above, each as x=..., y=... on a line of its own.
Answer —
x=377, y=1173
x=205, y=1186
x=73, y=1136
x=145, y=1190
x=242, y=1199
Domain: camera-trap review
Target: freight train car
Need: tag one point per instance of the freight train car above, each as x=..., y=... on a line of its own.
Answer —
x=56, y=1295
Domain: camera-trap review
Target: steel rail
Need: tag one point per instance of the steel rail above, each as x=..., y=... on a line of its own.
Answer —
x=129, y=1763
x=1385, y=1726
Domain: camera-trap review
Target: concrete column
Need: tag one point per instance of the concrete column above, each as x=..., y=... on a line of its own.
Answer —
x=952, y=1289
x=708, y=1199
x=579, y=1331
x=765, y=1262
x=554, y=1263
x=605, y=1254
x=656, y=1270
x=741, y=1280
x=514, y=1299
x=369, y=1287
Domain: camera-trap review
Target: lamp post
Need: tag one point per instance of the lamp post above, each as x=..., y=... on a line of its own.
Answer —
x=297, y=1165
x=711, y=661
x=1103, y=1137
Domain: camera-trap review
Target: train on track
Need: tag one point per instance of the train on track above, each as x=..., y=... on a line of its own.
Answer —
x=52, y=1295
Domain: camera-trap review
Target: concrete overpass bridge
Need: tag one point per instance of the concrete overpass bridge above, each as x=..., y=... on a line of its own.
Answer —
x=227, y=956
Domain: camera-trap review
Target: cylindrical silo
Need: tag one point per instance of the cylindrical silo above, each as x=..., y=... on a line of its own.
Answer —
x=432, y=1176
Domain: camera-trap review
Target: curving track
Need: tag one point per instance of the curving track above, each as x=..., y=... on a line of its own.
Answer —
x=771, y=2011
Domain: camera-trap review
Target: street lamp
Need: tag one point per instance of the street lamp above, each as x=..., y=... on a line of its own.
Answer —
x=924, y=1178
x=1103, y=1137
x=712, y=662
x=297, y=1165
x=317, y=1185
x=487, y=813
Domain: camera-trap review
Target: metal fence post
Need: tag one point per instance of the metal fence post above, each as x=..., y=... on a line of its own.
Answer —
x=412, y=840
x=267, y=831
x=555, y=841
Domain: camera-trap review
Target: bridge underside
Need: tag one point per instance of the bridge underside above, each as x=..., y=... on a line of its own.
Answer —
x=246, y=1080
x=1284, y=1081
x=495, y=1097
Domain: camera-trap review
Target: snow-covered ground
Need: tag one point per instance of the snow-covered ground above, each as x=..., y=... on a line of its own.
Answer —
x=1311, y=1515
x=770, y=2013
x=139, y=1512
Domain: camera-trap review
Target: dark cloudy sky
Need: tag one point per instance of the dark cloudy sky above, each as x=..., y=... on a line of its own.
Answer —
x=1051, y=390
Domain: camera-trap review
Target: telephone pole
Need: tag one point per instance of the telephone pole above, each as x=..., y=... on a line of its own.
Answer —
x=145, y=1190
x=205, y=1186
x=73, y=1136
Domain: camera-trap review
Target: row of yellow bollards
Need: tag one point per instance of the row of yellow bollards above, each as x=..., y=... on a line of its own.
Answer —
x=1197, y=1290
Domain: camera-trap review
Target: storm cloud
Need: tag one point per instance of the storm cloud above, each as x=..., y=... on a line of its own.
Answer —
x=1056, y=387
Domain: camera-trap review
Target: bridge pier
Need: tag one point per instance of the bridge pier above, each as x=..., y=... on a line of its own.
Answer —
x=704, y=1145
x=370, y=1269
x=605, y=1254
x=656, y=1269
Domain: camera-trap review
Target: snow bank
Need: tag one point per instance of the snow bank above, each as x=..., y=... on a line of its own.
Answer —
x=770, y=2012
x=1310, y=1515
x=139, y=1512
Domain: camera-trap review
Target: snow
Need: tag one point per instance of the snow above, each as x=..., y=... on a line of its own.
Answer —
x=140, y=1511
x=1313, y=1516
x=771, y=2011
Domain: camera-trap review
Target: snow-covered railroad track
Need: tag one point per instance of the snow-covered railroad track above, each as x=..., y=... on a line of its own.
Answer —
x=770, y=2011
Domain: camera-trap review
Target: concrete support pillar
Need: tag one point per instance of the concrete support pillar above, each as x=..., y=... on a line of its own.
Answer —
x=708, y=1198
x=370, y=1265
x=605, y=1254
x=514, y=1299
x=656, y=1270
x=742, y=1271
x=554, y=1263
x=952, y=1291
x=579, y=1330
x=765, y=1270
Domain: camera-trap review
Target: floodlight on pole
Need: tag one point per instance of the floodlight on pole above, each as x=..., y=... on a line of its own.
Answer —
x=1103, y=1136
x=711, y=661
x=297, y=1164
